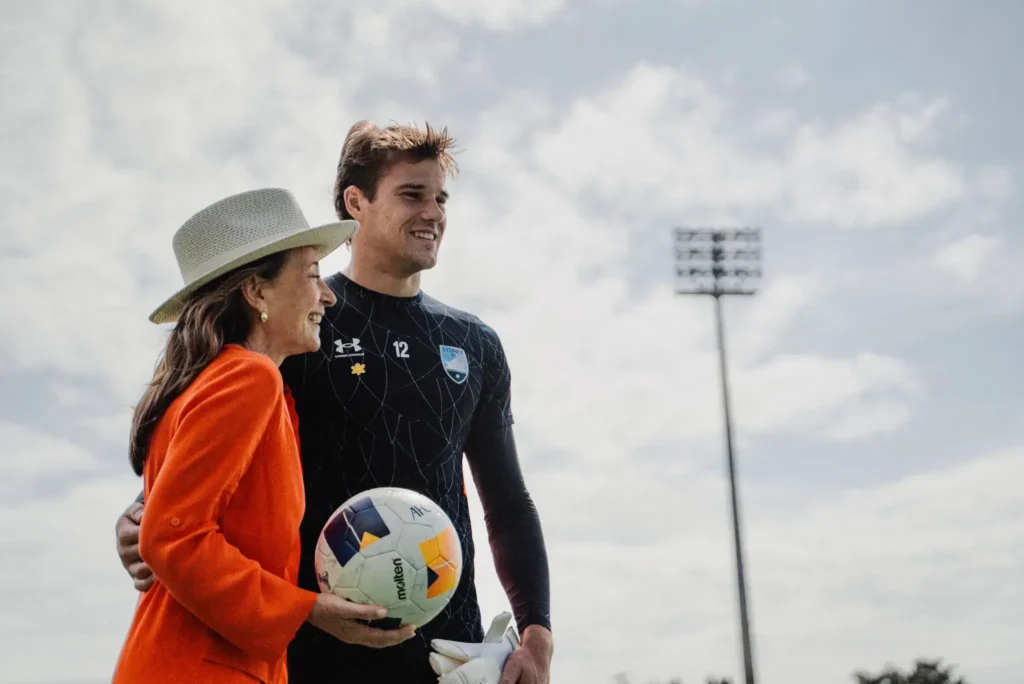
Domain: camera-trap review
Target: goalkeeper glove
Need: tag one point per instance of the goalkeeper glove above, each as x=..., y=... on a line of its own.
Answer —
x=458, y=662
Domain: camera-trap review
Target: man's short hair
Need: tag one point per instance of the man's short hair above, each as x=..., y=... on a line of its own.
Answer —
x=369, y=153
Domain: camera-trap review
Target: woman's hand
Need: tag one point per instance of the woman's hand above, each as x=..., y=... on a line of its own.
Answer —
x=340, y=618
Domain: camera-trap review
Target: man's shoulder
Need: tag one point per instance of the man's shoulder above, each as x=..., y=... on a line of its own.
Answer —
x=436, y=306
x=457, y=316
x=483, y=340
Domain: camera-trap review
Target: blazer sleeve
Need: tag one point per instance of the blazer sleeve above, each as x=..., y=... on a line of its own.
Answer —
x=217, y=435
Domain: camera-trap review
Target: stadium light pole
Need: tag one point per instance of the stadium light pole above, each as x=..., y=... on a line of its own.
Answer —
x=719, y=262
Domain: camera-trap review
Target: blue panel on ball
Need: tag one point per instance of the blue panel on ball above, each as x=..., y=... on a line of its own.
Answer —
x=365, y=504
x=386, y=623
x=345, y=533
x=338, y=535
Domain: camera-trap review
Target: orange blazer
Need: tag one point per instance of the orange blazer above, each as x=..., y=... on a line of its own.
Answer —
x=224, y=499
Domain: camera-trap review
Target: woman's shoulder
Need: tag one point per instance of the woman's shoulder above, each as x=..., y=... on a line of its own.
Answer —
x=244, y=370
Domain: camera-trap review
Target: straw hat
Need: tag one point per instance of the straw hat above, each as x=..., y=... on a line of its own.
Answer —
x=239, y=230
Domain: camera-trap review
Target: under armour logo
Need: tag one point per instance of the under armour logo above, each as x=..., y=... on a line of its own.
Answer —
x=344, y=349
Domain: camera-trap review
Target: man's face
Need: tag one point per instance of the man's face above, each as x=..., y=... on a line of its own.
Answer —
x=402, y=227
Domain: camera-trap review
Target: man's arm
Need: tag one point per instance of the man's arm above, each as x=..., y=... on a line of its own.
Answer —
x=513, y=525
x=517, y=545
x=127, y=534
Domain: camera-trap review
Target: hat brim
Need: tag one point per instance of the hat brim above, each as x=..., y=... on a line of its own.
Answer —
x=326, y=239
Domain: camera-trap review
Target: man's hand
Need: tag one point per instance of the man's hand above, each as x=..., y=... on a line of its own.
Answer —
x=531, y=662
x=127, y=529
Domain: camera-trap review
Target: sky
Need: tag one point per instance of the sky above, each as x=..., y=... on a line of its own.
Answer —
x=875, y=378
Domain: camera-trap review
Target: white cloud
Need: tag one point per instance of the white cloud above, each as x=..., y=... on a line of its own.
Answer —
x=391, y=43
x=499, y=15
x=62, y=583
x=114, y=154
x=868, y=172
x=597, y=376
x=965, y=258
x=660, y=562
x=995, y=182
x=775, y=123
x=28, y=455
x=894, y=563
x=801, y=392
x=771, y=313
x=793, y=77
x=674, y=149
x=646, y=548
x=858, y=422
x=584, y=361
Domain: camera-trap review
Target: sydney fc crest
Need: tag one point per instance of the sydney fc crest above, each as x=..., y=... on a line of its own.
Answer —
x=455, y=363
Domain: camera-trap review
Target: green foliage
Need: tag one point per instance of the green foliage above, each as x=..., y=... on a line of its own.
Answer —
x=924, y=672
x=622, y=678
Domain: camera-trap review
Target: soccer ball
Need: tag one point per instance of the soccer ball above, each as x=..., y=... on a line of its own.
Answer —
x=394, y=548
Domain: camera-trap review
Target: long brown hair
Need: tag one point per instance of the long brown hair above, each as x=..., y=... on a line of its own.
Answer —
x=215, y=315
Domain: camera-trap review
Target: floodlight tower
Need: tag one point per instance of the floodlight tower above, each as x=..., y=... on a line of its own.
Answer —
x=717, y=262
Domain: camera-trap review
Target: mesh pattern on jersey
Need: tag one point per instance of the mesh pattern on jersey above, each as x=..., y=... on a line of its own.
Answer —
x=450, y=428
x=401, y=422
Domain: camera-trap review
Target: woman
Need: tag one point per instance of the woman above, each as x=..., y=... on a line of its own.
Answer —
x=215, y=439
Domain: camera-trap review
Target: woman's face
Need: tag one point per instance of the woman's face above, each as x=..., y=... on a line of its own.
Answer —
x=295, y=302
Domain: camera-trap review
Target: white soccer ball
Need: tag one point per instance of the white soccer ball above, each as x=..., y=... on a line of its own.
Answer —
x=391, y=547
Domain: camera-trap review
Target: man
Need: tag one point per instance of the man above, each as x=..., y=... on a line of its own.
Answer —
x=402, y=388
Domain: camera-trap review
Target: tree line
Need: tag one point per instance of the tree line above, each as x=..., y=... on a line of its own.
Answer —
x=922, y=672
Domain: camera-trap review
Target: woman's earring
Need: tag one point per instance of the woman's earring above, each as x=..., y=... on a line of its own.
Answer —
x=263, y=316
